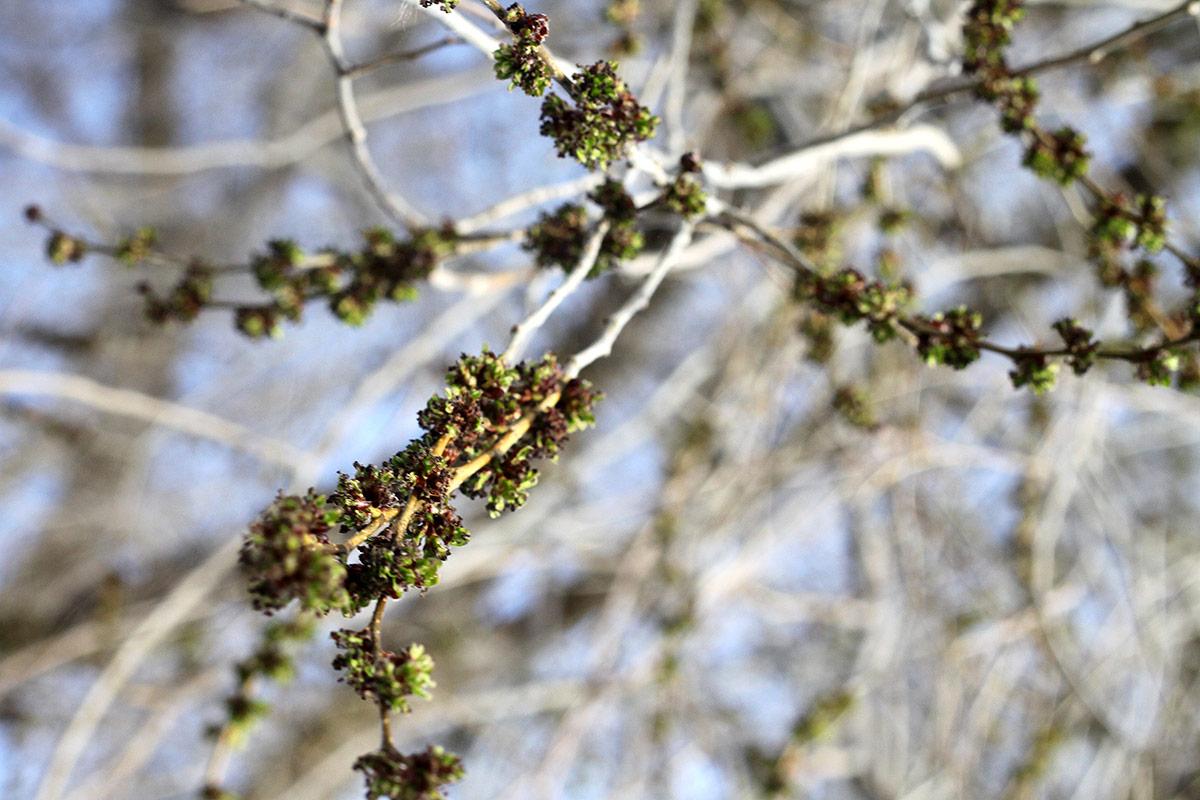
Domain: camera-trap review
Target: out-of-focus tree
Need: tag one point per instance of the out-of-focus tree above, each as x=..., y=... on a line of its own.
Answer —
x=839, y=360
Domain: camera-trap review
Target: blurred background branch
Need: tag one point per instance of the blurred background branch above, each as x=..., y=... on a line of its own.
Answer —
x=789, y=562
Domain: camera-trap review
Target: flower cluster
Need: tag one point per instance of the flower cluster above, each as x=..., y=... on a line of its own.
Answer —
x=1081, y=347
x=272, y=661
x=892, y=220
x=854, y=406
x=504, y=401
x=186, y=299
x=446, y=5
x=394, y=561
x=482, y=435
x=818, y=330
x=351, y=282
x=286, y=556
x=816, y=237
x=852, y=297
x=136, y=247
x=417, y=776
x=987, y=31
x=1059, y=156
x=62, y=248
x=603, y=120
x=950, y=338
x=624, y=15
x=387, y=678
x=1015, y=97
x=1160, y=368
x=685, y=196
x=1034, y=370
x=1122, y=226
x=521, y=62
x=560, y=237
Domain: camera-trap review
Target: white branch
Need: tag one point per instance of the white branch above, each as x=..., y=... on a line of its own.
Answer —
x=524, y=330
x=186, y=595
x=920, y=138
x=396, y=206
x=681, y=48
x=275, y=153
x=641, y=157
x=284, y=13
x=477, y=283
x=525, y=200
x=638, y=301
x=135, y=405
x=457, y=23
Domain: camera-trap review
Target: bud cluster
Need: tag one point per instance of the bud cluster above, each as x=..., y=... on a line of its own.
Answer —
x=351, y=282
x=950, y=338
x=624, y=15
x=521, y=62
x=415, y=776
x=987, y=30
x=854, y=406
x=272, y=661
x=1081, y=347
x=469, y=440
x=1060, y=155
x=286, y=558
x=559, y=238
x=62, y=248
x=601, y=122
x=136, y=247
x=685, y=196
x=387, y=678
x=481, y=435
x=816, y=237
x=1034, y=370
x=396, y=560
x=1122, y=227
x=1160, y=368
x=186, y=299
x=852, y=297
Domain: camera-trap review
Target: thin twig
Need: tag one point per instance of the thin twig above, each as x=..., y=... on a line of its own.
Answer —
x=132, y=653
x=522, y=201
x=524, y=330
x=1093, y=53
x=358, y=70
x=269, y=154
x=1096, y=52
x=154, y=410
x=915, y=327
x=396, y=207
x=920, y=138
x=285, y=14
x=329, y=29
x=638, y=301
